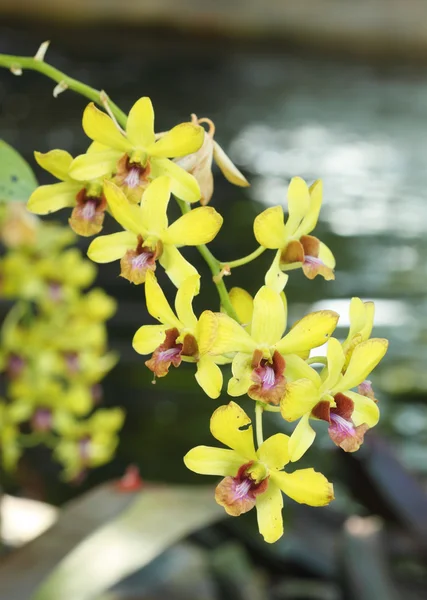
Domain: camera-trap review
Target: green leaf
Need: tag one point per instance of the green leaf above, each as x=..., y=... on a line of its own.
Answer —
x=17, y=180
x=156, y=519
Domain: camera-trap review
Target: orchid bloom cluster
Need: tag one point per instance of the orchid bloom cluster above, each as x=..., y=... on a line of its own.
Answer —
x=53, y=349
x=131, y=171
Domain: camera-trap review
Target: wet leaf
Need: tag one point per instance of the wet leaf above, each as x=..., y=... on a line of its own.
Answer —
x=17, y=180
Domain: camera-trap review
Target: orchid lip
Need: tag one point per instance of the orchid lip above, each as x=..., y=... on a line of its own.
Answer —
x=345, y=426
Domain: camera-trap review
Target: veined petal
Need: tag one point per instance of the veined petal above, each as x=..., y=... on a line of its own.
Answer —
x=157, y=304
x=300, y=398
x=154, y=205
x=50, y=198
x=298, y=203
x=198, y=226
x=310, y=220
x=206, y=460
x=184, y=301
x=275, y=278
x=301, y=438
x=305, y=486
x=226, y=423
x=100, y=128
x=140, y=124
x=148, y=338
x=365, y=410
x=269, y=317
x=364, y=359
x=269, y=513
x=176, y=266
x=335, y=359
x=106, y=248
x=311, y=331
x=56, y=162
x=183, y=186
x=228, y=169
x=297, y=368
x=127, y=215
x=181, y=140
x=231, y=337
x=243, y=304
x=94, y=165
x=209, y=376
x=274, y=452
x=269, y=228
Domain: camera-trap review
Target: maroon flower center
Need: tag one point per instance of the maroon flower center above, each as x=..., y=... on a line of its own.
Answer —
x=268, y=377
x=15, y=365
x=238, y=494
x=170, y=352
x=42, y=420
x=55, y=290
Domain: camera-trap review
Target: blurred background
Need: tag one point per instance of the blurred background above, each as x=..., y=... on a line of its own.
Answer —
x=331, y=89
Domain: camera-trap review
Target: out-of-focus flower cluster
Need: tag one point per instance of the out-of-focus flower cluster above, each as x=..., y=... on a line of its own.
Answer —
x=53, y=352
x=131, y=172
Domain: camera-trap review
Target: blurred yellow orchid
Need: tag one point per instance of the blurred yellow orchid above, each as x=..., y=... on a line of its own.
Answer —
x=263, y=356
x=85, y=196
x=149, y=237
x=11, y=449
x=328, y=396
x=135, y=156
x=295, y=247
x=180, y=337
x=199, y=163
x=255, y=477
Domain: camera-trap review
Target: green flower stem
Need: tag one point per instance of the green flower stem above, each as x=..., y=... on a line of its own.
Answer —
x=317, y=360
x=270, y=408
x=243, y=261
x=259, y=409
x=17, y=63
x=215, y=267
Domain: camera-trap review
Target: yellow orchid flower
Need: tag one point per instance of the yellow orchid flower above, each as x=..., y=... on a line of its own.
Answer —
x=295, y=247
x=135, y=156
x=11, y=450
x=328, y=396
x=180, y=337
x=149, y=237
x=264, y=358
x=255, y=477
x=199, y=163
x=85, y=196
x=361, y=324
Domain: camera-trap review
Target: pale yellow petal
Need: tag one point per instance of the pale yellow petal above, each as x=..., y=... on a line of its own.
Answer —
x=198, y=226
x=364, y=359
x=326, y=256
x=181, y=140
x=106, y=248
x=310, y=221
x=184, y=301
x=335, y=362
x=269, y=513
x=140, y=124
x=209, y=377
x=127, y=215
x=300, y=398
x=275, y=278
x=311, y=331
x=305, y=486
x=369, y=323
x=100, y=128
x=50, y=198
x=56, y=162
x=269, y=317
x=154, y=205
x=94, y=165
x=206, y=460
x=226, y=424
x=228, y=169
x=365, y=410
x=176, y=266
x=298, y=203
x=269, y=228
x=148, y=338
x=157, y=304
x=297, y=368
x=231, y=337
x=301, y=438
x=207, y=326
x=243, y=304
x=183, y=186
x=274, y=452
x=357, y=316
x=241, y=380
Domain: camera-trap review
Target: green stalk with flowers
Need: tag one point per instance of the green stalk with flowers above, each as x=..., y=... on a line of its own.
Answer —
x=131, y=171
